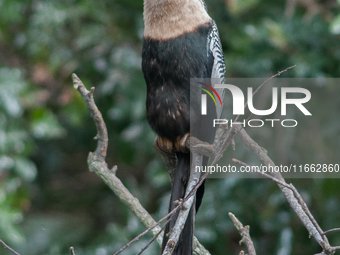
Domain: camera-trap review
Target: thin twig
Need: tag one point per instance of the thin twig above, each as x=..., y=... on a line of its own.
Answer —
x=271, y=77
x=139, y=236
x=330, y=230
x=259, y=87
x=148, y=230
x=9, y=248
x=153, y=239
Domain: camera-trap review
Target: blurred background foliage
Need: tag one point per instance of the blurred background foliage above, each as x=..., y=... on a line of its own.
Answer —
x=48, y=199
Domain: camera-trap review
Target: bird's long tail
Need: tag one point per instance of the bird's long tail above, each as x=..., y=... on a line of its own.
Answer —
x=184, y=244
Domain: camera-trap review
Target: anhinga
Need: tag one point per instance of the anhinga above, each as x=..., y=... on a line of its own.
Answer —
x=181, y=41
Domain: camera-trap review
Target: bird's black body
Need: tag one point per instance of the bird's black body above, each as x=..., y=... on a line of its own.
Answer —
x=180, y=42
x=168, y=66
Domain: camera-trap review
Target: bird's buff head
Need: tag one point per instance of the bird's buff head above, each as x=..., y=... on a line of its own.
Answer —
x=166, y=19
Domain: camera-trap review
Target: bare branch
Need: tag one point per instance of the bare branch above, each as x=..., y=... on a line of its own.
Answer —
x=293, y=197
x=97, y=164
x=244, y=232
x=96, y=115
x=223, y=139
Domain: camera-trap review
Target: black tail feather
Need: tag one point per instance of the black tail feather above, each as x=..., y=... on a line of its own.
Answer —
x=184, y=245
x=200, y=190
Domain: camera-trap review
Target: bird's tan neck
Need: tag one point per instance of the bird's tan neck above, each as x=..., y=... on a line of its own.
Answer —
x=166, y=19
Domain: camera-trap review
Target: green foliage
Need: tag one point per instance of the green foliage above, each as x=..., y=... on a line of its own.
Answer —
x=15, y=146
x=48, y=199
x=335, y=25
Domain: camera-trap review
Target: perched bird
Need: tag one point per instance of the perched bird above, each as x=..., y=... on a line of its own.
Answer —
x=181, y=41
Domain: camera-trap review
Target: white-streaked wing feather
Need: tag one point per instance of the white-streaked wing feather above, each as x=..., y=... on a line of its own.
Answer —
x=218, y=71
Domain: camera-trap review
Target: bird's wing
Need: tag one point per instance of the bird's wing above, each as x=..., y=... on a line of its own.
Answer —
x=218, y=70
